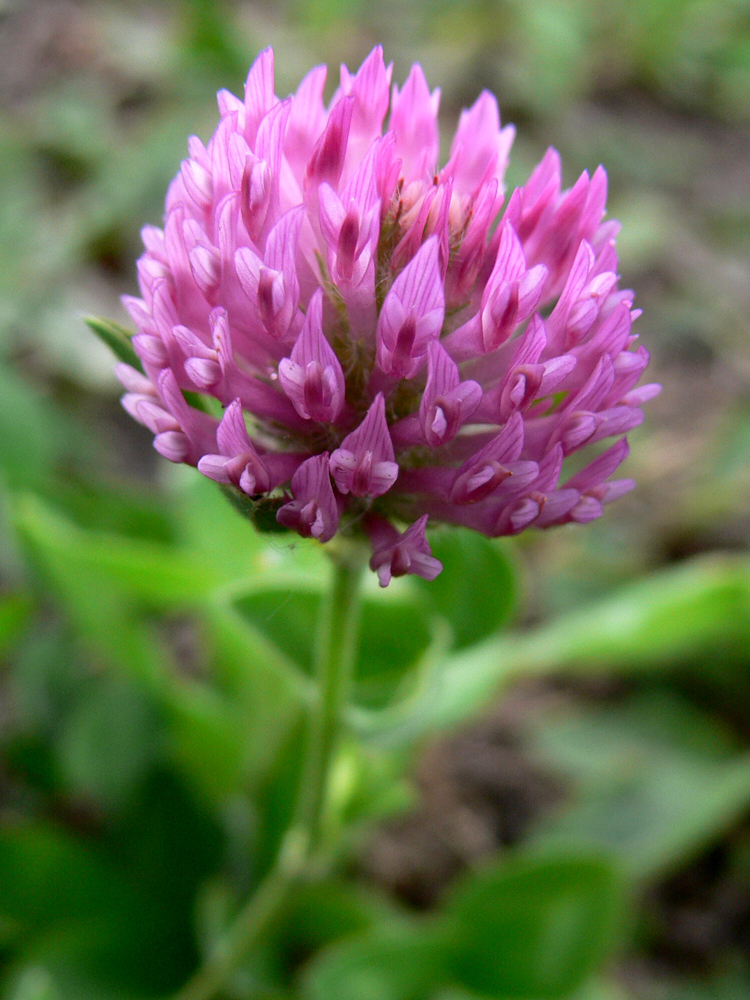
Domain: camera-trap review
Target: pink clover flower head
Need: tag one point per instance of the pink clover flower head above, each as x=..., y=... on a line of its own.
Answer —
x=384, y=341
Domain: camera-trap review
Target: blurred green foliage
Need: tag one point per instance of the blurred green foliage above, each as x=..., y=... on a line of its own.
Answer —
x=156, y=651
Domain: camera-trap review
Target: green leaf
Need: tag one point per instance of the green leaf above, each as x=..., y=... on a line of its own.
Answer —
x=108, y=622
x=205, y=739
x=45, y=677
x=48, y=878
x=656, y=781
x=33, y=983
x=369, y=784
x=77, y=959
x=166, y=846
x=477, y=590
x=534, y=927
x=149, y=570
x=224, y=540
x=33, y=435
x=117, y=338
x=275, y=800
x=211, y=39
x=63, y=553
x=134, y=510
x=256, y=689
x=602, y=989
x=52, y=973
x=213, y=530
x=393, y=633
x=318, y=915
x=263, y=688
x=285, y=617
x=701, y=605
x=322, y=912
x=729, y=985
x=15, y=611
x=392, y=963
x=107, y=742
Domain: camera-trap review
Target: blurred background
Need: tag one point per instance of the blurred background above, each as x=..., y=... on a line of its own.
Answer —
x=115, y=747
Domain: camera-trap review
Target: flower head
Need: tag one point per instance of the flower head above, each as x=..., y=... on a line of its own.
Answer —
x=383, y=339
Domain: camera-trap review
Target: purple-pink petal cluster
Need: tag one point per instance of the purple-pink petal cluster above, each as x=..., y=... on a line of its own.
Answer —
x=381, y=339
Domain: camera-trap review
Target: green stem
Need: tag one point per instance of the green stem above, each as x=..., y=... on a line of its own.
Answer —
x=251, y=922
x=336, y=652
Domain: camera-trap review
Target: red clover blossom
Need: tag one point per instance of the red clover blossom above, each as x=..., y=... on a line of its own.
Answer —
x=378, y=339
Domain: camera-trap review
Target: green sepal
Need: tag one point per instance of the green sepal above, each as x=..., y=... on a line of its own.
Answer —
x=197, y=401
x=116, y=337
x=262, y=512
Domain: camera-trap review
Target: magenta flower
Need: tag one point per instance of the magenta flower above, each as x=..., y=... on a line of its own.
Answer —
x=387, y=340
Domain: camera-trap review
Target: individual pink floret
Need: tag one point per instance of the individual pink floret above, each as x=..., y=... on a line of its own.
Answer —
x=396, y=554
x=313, y=511
x=364, y=464
x=312, y=377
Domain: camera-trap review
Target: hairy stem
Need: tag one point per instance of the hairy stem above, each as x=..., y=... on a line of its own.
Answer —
x=336, y=651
